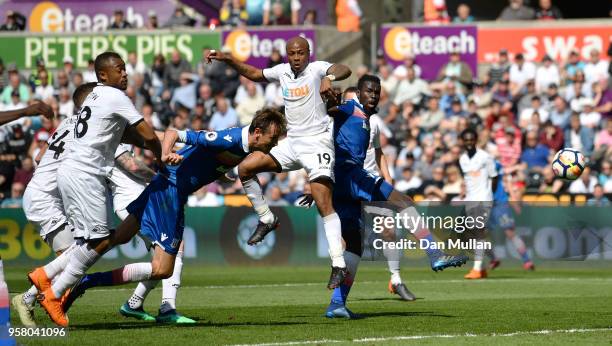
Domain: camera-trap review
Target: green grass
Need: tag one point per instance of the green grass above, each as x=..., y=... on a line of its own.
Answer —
x=285, y=304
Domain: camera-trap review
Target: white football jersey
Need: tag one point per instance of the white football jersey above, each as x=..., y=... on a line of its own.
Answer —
x=377, y=127
x=58, y=144
x=125, y=187
x=305, y=110
x=104, y=115
x=477, y=174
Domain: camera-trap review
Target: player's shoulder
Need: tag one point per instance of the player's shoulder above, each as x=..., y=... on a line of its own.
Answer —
x=109, y=93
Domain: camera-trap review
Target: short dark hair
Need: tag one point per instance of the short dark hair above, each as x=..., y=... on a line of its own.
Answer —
x=81, y=92
x=367, y=78
x=102, y=61
x=266, y=117
x=467, y=131
x=350, y=89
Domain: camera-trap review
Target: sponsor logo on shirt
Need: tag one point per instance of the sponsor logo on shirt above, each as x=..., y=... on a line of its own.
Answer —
x=296, y=92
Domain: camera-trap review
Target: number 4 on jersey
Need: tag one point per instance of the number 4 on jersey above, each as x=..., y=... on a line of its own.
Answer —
x=58, y=144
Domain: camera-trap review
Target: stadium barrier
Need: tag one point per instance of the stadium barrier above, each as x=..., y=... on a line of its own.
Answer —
x=218, y=235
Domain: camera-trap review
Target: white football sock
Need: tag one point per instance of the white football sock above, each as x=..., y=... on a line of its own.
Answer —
x=519, y=244
x=82, y=258
x=478, y=256
x=333, y=233
x=133, y=272
x=253, y=191
x=171, y=285
x=393, y=256
x=59, y=263
x=141, y=292
x=29, y=297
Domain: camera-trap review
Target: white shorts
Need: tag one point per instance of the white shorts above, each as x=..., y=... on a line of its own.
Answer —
x=124, y=189
x=60, y=239
x=44, y=209
x=84, y=196
x=313, y=153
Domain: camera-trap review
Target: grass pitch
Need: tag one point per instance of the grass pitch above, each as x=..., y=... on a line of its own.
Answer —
x=285, y=305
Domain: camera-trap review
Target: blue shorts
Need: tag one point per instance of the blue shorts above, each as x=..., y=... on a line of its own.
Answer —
x=160, y=211
x=353, y=186
x=501, y=216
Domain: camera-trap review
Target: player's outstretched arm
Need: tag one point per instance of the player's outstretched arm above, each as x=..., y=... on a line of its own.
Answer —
x=383, y=167
x=150, y=139
x=37, y=108
x=339, y=71
x=171, y=136
x=250, y=72
x=135, y=166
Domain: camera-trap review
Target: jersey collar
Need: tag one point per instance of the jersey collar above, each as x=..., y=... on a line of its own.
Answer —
x=245, y=139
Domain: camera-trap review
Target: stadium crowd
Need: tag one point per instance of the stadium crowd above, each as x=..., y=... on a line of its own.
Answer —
x=524, y=111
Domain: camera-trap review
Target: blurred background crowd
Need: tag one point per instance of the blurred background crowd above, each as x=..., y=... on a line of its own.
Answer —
x=524, y=111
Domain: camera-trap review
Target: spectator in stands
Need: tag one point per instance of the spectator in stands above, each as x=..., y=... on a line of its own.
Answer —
x=185, y=94
x=573, y=65
x=16, y=199
x=550, y=183
x=119, y=22
x=535, y=155
x=439, y=15
x=411, y=88
x=547, y=74
x=498, y=68
x=605, y=173
x=551, y=136
x=452, y=185
x=249, y=104
x=152, y=23
x=281, y=12
x=525, y=96
x=408, y=182
x=134, y=66
x=585, y=184
x=24, y=174
x=604, y=138
x=598, y=199
x=223, y=79
x=401, y=71
x=205, y=96
x=205, y=198
x=275, y=58
x=509, y=146
x=66, y=105
x=456, y=71
x=349, y=15
x=449, y=96
x=310, y=18
x=579, y=137
x=596, y=68
x=432, y=116
x=589, y=117
x=233, y=14
x=15, y=21
x=90, y=74
x=3, y=76
x=178, y=19
x=517, y=11
x=603, y=99
x=547, y=11
x=44, y=90
x=173, y=70
x=62, y=81
x=521, y=72
x=275, y=197
x=224, y=117
x=15, y=102
x=463, y=14
x=15, y=86
x=536, y=107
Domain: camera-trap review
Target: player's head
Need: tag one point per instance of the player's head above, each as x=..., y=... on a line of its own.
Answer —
x=298, y=53
x=267, y=127
x=369, y=92
x=469, y=138
x=350, y=93
x=110, y=70
x=80, y=93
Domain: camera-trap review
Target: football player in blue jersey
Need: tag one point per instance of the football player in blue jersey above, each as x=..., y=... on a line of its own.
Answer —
x=506, y=204
x=355, y=185
x=159, y=211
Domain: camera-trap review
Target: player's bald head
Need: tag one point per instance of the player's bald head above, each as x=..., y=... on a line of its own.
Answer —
x=299, y=42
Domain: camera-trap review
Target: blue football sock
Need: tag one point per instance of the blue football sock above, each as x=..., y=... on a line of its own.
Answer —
x=431, y=253
x=340, y=294
x=525, y=257
x=97, y=279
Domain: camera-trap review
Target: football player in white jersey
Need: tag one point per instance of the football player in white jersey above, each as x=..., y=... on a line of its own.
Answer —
x=309, y=143
x=376, y=164
x=5, y=118
x=107, y=113
x=480, y=176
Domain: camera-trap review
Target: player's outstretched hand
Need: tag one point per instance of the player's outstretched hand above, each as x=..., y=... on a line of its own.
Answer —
x=305, y=200
x=40, y=108
x=172, y=159
x=216, y=55
x=327, y=91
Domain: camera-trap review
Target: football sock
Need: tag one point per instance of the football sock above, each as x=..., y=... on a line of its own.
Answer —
x=29, y=297
x=59, y=263
x=520, y=248
x=393, y=256
x=253, y=191
x=478, y=257
x=431, y=252
x=141, y=292
x=171, y=285
x=333, y=233
x=340, y=294
x=82, y=258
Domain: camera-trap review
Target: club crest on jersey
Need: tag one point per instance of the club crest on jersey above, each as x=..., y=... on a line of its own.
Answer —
x=365, y=125
x=211, y=136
